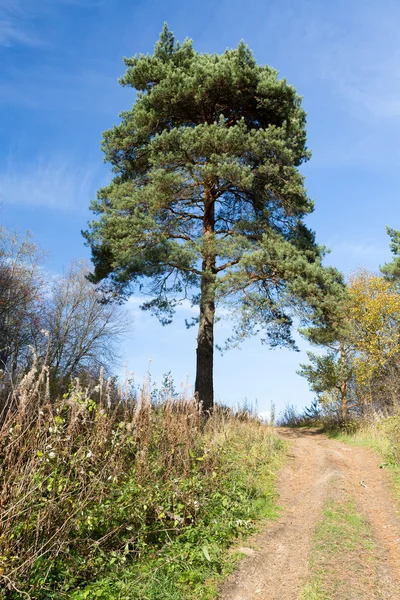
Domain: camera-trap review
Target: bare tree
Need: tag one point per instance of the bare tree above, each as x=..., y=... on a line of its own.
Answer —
x=62, y=319
x=82, y=332
x=21, y=298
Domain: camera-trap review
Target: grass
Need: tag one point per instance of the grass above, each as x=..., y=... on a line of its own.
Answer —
x=368, y=436
x=312, y=591
x=342, y=560
x=193, y=564
x=106, y=495
x=384, y=438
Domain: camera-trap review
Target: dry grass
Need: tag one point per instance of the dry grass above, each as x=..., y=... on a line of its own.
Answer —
x=83, y=481
x=59, y=458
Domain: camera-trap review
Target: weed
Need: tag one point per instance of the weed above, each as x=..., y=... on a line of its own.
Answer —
x=313, y=591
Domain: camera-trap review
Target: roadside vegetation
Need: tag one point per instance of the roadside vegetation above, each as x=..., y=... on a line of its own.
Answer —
x=108, y=495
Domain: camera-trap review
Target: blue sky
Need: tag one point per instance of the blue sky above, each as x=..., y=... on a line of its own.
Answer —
x=60, y=60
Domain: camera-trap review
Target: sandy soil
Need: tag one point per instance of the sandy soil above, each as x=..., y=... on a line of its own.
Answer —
x=320, y=469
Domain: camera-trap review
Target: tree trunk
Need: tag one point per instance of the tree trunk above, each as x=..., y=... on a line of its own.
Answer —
x=343, y=392
x=343, y=386
x=204, y=386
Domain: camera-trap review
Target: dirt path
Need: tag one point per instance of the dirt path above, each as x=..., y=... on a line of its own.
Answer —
x=319, y=470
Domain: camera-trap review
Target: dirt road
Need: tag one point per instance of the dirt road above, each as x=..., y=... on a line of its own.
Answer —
x=319, y=470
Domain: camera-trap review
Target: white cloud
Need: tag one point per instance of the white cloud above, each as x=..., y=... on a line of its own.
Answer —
x=265, y=415
x=55, y=184
x=359, y=249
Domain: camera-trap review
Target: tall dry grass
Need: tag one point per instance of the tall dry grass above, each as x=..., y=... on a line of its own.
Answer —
x=87, y=479
x=60, y=458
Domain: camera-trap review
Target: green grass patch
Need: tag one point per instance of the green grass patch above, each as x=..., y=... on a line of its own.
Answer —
x=341, y=529
x=313, y=591
x=342, y=559
x=367, y=437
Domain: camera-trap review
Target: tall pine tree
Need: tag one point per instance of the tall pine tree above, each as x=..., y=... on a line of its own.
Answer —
x=207, y=202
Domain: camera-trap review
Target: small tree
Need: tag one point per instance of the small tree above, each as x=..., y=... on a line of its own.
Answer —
x=82, y=333
x=313, y=412
x=329, y=373
x=207, y=201
x=375, y=326
x=362, y=339
x=331, y=329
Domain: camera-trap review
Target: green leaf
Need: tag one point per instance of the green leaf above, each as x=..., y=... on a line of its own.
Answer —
x=206, y=554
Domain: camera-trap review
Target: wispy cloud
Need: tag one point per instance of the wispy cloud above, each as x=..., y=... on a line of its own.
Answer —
x=352, y=48
x=360, y=250
x=185, y=309
x=18, y=19
x=14, y=24
x=358, y=55
x=54, y=184
x=349, y=255
x=92, y=87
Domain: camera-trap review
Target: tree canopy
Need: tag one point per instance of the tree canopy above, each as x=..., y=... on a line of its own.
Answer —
x=207, y=201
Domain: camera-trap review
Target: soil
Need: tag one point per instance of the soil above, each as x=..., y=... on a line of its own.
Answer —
x=319, y=469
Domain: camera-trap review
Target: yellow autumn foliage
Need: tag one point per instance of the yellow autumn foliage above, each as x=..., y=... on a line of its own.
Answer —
x=374, y=316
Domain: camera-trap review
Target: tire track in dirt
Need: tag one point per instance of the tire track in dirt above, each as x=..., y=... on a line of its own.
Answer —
x=318, y=470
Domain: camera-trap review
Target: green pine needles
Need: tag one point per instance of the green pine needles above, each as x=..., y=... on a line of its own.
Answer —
x=207, y=202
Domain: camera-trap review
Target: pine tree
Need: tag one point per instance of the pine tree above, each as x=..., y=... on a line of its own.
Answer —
x=207, y=202
x=391, y=270
x=329, y=373
x=331, y=330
